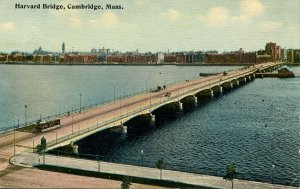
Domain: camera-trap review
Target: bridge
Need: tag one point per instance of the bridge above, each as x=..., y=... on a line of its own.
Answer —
x=148, y=105
x=141, y=107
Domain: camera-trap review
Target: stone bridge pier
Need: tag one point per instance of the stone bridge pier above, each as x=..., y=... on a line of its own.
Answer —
x=250, y=78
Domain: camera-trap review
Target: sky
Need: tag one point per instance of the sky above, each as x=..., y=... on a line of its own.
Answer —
x=151, y=25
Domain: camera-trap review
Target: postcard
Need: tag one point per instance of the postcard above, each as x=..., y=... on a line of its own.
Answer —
x=149, y=94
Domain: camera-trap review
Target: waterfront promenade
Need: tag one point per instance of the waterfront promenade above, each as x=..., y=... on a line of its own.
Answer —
x=32, y=159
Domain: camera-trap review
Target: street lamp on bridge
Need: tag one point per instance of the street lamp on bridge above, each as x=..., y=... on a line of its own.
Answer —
x=90, y=102
x=25, y=114
x=72, y=124
x=80, y=103
x=114, y=94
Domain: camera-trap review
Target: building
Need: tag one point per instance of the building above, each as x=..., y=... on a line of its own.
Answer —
x=297, y=56
x=79, y=59
x=94, y=51
x=160, y=58
x=198, y=57
x=283, y=55
x=104, y=51
x=274, y=51
x=170, y=58
x=63, y=48
x=290, y=56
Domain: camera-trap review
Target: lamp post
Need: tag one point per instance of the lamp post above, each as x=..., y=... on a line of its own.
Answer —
x=273, y=169
x=80, y=103
x=14, y=141
x=72, y=124
x=120, y=106
x=114, y=94
x=146, y=86
x=25, y=114
x=150, y=98
x=142, y=153
x=33, y=145
x=90, y=102
x=99, y=168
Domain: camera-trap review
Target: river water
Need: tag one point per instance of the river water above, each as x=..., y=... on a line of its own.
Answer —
x=256, y=126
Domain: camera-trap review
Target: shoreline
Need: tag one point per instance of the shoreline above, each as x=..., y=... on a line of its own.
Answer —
x=138, y=64
x=129, y=64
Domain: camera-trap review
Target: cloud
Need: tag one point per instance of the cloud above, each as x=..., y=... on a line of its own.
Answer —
x=74, y=21
x=107, y=19
x=171, y=14
x=139, y=2
x=250, y=9
x=220, y=15
x=271, y=25
x=8, y=26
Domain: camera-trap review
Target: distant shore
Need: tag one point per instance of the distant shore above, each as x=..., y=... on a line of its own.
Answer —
x=138, y=64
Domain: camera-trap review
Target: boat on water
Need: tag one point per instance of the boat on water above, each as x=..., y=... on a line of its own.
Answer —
x=281, y=73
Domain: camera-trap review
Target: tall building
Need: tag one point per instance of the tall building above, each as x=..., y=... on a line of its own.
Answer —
x=290, y=56
x=271, y=50
x=283, y=54
x=63, y=48
x=296, y=53
x=94, y=51
x=274, y=51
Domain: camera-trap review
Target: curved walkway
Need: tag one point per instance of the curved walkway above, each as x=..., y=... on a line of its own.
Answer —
x=30, y=159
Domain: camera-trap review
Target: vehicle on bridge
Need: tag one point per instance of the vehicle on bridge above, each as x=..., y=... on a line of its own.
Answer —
x=168, y=94
x=43, y=126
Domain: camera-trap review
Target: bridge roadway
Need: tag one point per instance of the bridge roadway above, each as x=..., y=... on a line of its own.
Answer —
x=79, y=125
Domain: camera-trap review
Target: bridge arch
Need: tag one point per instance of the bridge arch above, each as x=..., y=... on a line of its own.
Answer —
x=227, y=86
x=217, y=89
x=139, y=122
x=242, y=80
x=189, y=99
x=235, y=83
x=205, y=93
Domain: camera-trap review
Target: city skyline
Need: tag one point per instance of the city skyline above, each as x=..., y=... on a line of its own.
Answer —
x=152, y=26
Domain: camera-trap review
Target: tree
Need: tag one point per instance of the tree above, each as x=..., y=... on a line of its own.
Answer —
x=160, y=164
x=230, y=173
x=126, y=182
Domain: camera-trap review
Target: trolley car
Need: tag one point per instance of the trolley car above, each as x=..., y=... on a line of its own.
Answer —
x=43, y=126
